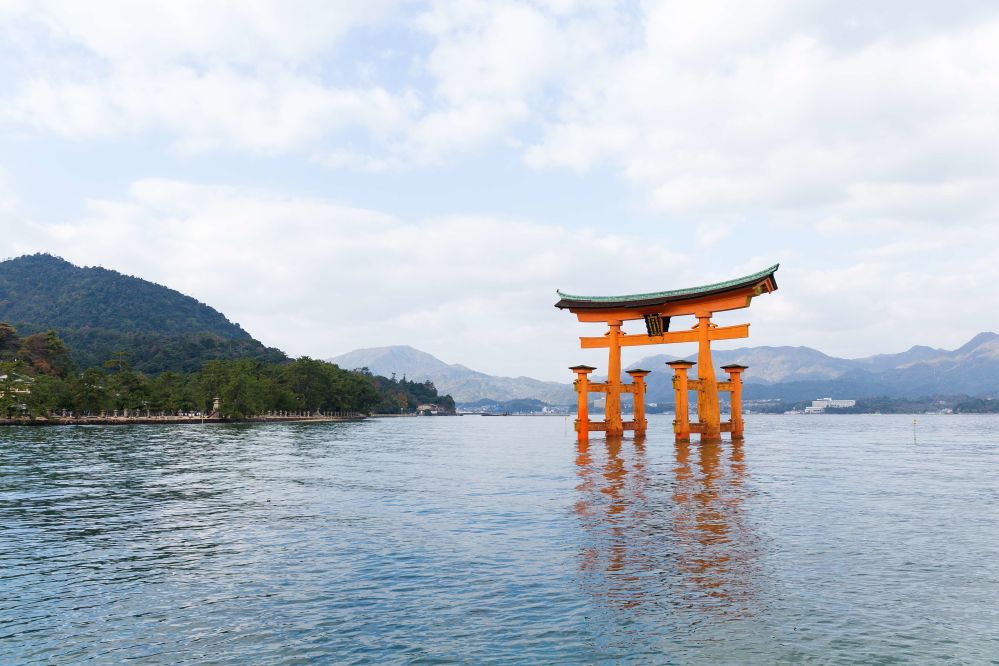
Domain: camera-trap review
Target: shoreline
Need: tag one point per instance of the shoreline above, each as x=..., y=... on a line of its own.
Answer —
x=171, y=420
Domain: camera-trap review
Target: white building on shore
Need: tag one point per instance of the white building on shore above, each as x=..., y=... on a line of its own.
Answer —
x=820, y=405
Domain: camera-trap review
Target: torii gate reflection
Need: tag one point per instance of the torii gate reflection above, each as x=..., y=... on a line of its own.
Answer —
x=677, y=536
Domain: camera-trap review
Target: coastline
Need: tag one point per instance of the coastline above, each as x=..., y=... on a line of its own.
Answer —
x=171, y=420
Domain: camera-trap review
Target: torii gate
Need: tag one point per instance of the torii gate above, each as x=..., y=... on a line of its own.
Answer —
x=657, y=309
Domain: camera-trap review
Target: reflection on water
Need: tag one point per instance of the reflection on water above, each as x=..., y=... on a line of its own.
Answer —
x=677, y=536
x=715, y=547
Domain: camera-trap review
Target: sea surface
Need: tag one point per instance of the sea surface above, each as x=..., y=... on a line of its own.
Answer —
x=820, y=539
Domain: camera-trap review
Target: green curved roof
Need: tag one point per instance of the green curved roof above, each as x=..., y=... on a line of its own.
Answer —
x=570, y=300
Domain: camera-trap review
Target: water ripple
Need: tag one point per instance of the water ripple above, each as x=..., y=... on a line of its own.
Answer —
x=829, y=539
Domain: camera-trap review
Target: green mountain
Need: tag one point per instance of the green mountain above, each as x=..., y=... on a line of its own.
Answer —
x=100, y=312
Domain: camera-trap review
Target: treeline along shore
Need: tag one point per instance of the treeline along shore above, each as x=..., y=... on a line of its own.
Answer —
x=39, y=382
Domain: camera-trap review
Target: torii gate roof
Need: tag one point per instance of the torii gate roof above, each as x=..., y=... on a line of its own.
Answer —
x=763, y=278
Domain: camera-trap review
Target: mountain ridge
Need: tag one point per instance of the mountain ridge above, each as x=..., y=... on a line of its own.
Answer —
x=791, y=373
x=461, y=382
x=100, y=312
x=972, y=369
x=50, y=291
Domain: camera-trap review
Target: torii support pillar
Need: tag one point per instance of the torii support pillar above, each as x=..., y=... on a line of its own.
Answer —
x=612, y=408
x=708, y=414
x=734, y=371
x=638, y=393
x=582, y=386
x=681, y=424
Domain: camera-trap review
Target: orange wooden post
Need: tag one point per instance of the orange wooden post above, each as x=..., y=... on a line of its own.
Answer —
x=681, y=424
x=582, y=386
x=638, y=382
x=708, y=413
x=612, y=411
x=734, y=371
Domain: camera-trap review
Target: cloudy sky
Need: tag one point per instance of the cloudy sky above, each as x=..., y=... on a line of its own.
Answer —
x=335, y=175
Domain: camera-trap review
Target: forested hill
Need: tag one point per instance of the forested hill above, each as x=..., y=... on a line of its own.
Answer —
x=51, y=292
x=101, y=313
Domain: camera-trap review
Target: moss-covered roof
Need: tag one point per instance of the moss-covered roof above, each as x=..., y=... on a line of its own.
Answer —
x=657, y=297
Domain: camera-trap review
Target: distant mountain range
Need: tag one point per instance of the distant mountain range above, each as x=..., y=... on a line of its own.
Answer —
x=99, y=312
x=802, y=373
x=790, y=373
x=463, y=384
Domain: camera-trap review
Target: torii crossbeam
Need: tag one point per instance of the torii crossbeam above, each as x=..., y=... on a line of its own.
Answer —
x=657, y=309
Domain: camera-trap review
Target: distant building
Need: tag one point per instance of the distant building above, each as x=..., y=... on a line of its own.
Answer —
x=16, y=384
x=822, y=404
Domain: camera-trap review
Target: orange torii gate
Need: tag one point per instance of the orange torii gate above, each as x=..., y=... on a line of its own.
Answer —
x=657, y=309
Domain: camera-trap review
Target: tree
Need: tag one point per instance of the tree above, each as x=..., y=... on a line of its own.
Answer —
x=8, y=340
x=210, y=380
x=44, y=396
x=310, y=383
x=128, y=390
x=90, y=394
x=242, y=396
x=246, y=387
x=362, y=395
x=172, y=392
x=118, y=361
x=46, y=354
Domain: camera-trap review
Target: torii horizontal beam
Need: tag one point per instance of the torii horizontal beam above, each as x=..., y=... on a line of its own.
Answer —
x=718, y=333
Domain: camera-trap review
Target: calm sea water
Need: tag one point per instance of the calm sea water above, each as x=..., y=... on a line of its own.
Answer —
x=828, y=539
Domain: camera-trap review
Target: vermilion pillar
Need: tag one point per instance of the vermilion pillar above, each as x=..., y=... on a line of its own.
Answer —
x=638, y=384
x=612, y=417
x=582, y=386
x=681, y=424
x=707, y=397
x=734, y=371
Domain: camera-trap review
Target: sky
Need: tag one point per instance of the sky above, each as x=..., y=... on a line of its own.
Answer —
x=335, y=175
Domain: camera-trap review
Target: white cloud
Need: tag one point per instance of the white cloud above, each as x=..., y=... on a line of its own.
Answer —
x=9, y=201
x=157, y=32
x=268, y=77
x=833, y=113
x=245, y=76
x=494, y=67
x=787, y=110
x=716, y=108
x=211, y=110
x=319, y=278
